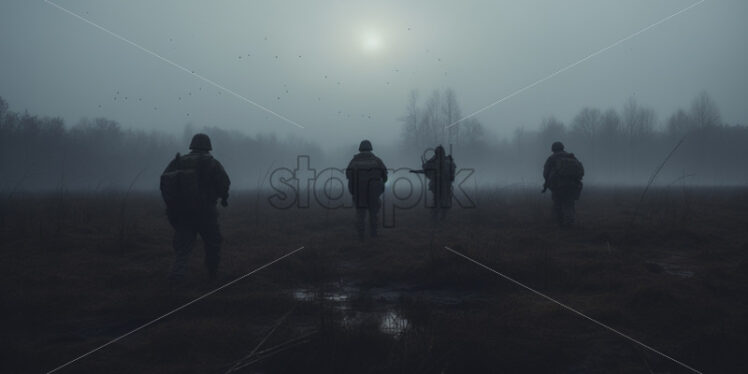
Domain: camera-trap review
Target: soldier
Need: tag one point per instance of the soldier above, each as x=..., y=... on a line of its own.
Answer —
x=563, y=175
x=191, y=185
x=440, y=171
x=366, y=176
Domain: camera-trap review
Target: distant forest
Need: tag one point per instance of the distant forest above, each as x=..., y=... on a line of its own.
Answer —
x=616, y=146
x=42, y=153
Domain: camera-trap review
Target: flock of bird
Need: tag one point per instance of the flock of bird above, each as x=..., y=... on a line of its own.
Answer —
x=121, y=99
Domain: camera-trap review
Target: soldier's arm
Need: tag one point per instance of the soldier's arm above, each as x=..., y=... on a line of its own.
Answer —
x=222, y=181
x=349, y=172
x=547, y=169
x=427, y=168
x=172, y=164
x=384, y=170
x=431, y=168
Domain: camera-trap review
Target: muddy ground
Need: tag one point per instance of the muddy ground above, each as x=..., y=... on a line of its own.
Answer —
x=79, y=270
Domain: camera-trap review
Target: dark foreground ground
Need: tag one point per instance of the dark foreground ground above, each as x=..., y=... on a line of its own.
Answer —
x=80, y=270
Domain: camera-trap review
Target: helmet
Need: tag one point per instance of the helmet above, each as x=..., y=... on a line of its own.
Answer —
x=557, y=147
x=439, y=151
x=365, y=146
x=201, y=142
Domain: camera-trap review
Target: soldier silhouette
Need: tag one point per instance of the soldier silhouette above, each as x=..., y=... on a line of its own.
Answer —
x=191, y=186
x=563, y=175
x=366, y=176
x=440, y=171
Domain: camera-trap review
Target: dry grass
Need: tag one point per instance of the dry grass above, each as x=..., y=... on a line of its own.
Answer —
x=77, y=273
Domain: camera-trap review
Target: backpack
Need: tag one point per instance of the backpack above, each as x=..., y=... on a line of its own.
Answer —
x=180, y=188
x=567, y=174
x=366, y=176
x=569, y=168
x=441, y=170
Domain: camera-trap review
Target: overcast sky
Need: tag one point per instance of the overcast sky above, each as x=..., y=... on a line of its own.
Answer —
x=343, y=69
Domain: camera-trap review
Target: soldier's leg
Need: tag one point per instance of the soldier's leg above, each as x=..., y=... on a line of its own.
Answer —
x=374, y=206
x=359, y=216
x=210, y=232
x=558, y=210
x=571, y=213
x=360, y=222
x=184, y=240
x=446, y=202
x=435, y=207
x=566, y=207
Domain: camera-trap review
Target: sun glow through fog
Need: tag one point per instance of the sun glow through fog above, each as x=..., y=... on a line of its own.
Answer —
x=371, y=42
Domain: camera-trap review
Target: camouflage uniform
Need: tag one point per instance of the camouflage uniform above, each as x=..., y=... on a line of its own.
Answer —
x=201, y=217
x=564, y=191
x=440, y=171
x=366, y=176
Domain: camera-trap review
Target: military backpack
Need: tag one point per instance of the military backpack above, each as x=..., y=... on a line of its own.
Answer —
x=181, y=187
x=567, y=174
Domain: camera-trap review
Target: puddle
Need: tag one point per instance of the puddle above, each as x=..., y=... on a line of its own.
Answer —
x=675, y=270
x=680, y=272
x=303, y=294
x=393, y=323
x=390, y=322
x=383, y=313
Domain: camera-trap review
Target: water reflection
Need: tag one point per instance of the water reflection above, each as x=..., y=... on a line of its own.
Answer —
x=393, y=323
x=304, y=294
x=384, y=314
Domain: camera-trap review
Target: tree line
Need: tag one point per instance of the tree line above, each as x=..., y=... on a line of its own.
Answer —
x=617, y=146
x=43, y=154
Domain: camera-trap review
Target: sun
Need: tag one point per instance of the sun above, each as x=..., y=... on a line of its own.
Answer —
x=371, y=42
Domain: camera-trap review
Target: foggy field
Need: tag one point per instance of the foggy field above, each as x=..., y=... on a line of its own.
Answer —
x=81, y=269
x=289, y=111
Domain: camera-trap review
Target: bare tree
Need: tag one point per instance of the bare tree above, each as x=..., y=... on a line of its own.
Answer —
x=638, y=122
x=610, y=125
x=587, y=124
x=551, y=130
x=451, y=114
x=3, y=109
x=609, y=139
x=474, y=134
x=410, y=121
x=679, y=124
x=434, y=128
x=427, y=126
x=704, y=112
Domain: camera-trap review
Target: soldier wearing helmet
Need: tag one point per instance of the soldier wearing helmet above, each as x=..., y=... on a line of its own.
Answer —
x=191, y=186
x=563, y=175
x=440, y=171
x=366, y=176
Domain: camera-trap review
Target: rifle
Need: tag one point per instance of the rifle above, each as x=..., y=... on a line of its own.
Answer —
x=420, y=171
